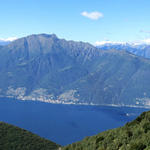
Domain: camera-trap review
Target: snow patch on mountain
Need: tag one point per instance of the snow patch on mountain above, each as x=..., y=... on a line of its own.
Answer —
x=6, y=41
x=131, y=44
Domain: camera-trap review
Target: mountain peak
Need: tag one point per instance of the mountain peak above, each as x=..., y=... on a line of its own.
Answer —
x=47, y=43
x=43, y=35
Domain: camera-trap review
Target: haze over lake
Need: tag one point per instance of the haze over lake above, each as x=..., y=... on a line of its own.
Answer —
x=64, y=124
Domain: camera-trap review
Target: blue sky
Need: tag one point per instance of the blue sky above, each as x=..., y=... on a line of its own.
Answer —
x=114, y=20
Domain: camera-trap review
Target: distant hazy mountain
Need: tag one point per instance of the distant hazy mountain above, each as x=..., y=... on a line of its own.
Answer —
x=14, y=138
x=43, y=67
x=4, y=42
x=7, y=41
x=137, y=49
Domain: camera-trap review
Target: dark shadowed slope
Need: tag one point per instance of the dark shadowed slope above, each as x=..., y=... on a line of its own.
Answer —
x=14, y=138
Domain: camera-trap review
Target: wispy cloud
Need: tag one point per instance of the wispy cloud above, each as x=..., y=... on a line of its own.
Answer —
x=145, y=31
x=95, y=15
x=8, y=39
x=107, y=42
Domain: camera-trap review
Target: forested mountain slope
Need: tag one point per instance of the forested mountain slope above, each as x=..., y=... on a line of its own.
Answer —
x=14, y=138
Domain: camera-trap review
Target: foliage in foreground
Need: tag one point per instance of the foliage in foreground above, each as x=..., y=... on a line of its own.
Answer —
x=133, y=136
x=14, y=138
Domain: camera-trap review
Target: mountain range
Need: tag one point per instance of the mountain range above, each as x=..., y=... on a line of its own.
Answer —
x=4, y=42
x=45, y=68
x=7, y=41
x=139, y=49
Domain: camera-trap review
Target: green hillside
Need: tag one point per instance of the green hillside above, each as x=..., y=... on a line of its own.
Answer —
x=133, y=136
x=14, y=138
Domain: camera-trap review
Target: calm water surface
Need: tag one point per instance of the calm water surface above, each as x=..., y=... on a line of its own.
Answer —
x=64, y=124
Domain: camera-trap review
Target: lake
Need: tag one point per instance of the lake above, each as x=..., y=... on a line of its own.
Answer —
x=64, y=124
